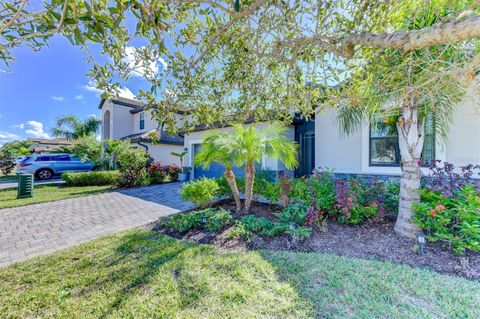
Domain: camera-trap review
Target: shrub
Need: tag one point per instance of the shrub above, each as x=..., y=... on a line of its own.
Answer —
x=200, y=192
x=172, y=172
x=262, y=226
x=296, y=213
x=353, y=196
x=271, y=192
x=455, y=221
x=300, y=233
x=88, y=147
x=215, y=220
x=239, y=231
x=132, y=160
x=132, y=178
x=158, y=172
x=223, y=187
x=449, y=181
x=95, y=178
x=131, y=163
x=391, y=197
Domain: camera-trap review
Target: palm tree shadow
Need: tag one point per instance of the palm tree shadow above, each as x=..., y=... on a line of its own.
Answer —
x=141, y=254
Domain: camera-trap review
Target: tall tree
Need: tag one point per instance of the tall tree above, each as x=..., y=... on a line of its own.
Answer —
x=260, y=57
x=71, y=128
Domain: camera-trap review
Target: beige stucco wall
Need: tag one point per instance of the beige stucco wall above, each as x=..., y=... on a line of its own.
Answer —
x=333, y=149
x=151, y=124
x=121, y=123
x=162, y=153
x=351, y=154
x=463, y=143
x=197, y=137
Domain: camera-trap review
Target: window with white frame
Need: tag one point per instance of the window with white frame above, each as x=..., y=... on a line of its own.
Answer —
x=142, y=121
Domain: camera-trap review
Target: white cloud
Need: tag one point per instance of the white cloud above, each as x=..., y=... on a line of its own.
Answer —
x=126, y=93
x=19, y=126
x=122, y=91
x=36, y=129
x=79, y=97
x=8, y=136
x=92, y=87
x=58, y=98
x=139, y=69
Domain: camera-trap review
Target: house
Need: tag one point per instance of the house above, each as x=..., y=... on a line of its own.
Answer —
x=128, y=119
x=369, y=151
x=45, y=145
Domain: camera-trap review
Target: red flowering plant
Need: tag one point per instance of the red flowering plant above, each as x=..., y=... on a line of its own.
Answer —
x=157, y=172
x=172, y=172
x=454, y=221
x=357, y=200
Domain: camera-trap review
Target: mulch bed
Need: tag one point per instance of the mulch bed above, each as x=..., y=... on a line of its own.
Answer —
x=373, y=240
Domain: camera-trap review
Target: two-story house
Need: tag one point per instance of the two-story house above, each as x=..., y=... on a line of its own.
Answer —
x=128, y=119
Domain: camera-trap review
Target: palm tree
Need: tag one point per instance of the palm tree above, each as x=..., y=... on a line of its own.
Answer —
x=251, y=144
x=71, y=128
x=399, y=85
x=219, y=147
x=245, y=147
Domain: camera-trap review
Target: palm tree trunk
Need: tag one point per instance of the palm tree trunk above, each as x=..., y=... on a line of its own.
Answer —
x=410, y=137
x=249, y=180
x=233, y=186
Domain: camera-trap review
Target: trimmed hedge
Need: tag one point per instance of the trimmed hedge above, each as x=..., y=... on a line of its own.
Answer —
x=95, y=178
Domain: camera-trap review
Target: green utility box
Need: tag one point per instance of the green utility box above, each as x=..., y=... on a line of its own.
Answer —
x=25, y=186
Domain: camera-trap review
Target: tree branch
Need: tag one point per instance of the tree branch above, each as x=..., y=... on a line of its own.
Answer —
x=450, y=31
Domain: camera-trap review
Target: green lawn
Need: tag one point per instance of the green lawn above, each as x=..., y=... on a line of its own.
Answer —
x=142, y=274
x=47, y=193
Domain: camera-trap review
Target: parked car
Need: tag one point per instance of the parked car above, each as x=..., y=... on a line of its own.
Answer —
x=46, y=166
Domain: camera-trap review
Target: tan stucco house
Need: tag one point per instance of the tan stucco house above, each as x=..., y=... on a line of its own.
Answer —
x=369, y=151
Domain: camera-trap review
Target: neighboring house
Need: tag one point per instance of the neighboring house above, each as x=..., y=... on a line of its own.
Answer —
x=128, y=119
x=370, y=151
x=45, y=145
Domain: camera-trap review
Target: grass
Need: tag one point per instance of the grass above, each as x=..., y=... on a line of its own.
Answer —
x=47, y=193
x=142, y=274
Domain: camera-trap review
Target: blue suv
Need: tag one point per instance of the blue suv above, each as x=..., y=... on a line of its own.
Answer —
x=45, y=166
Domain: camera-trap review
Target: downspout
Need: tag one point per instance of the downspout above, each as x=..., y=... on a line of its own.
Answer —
x=143, y=145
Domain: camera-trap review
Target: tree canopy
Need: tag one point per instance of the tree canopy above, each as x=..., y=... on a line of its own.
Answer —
x=267, y=59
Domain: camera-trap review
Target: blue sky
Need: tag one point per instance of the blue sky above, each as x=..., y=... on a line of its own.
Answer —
x=40, y=86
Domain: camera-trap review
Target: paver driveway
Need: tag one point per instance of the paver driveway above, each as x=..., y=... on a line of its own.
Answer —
x=39, y=229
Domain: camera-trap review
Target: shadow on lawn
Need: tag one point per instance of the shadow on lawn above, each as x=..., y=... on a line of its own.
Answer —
x=193, y=271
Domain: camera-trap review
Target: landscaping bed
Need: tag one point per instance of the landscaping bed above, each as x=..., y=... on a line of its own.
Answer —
x=374, y=239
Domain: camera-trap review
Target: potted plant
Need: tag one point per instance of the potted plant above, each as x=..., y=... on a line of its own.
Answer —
x=183, y=175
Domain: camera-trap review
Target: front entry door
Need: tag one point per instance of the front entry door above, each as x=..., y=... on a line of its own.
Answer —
x=305, y=137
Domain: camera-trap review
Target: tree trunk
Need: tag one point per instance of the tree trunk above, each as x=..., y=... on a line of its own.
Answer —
x=233, y=186
x=410, y=138
x=249, y=181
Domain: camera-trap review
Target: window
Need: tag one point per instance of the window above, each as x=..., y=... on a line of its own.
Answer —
x=384, y=148
x=142, y=121
x=43, y=159
x=61, y=158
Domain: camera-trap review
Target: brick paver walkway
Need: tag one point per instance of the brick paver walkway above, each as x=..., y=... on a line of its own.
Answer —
x=40, y=229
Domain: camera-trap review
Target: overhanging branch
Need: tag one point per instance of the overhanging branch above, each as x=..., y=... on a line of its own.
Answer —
x=446, y=32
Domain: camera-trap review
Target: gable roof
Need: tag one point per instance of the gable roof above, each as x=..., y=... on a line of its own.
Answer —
x=165, y=138
x=122, y=101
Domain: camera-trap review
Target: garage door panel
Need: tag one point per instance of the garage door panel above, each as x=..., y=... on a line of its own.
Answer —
x=215, y=170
